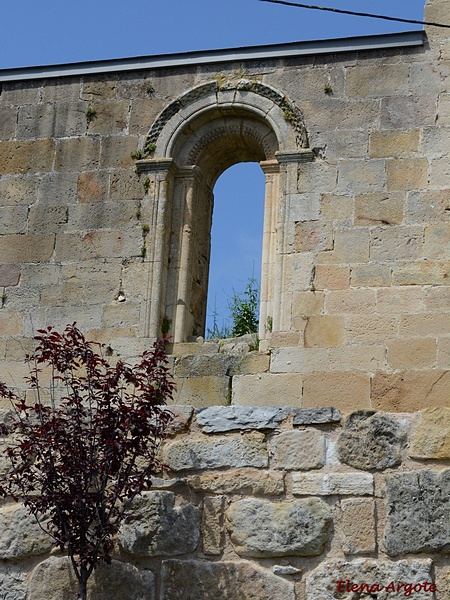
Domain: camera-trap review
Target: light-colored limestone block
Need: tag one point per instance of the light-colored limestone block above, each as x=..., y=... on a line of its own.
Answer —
x=358, y=525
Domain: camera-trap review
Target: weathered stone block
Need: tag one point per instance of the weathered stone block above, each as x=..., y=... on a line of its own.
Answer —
x=182, y=417
x=371, y=328
x=332, y=484
x=54, y=578
x=437, y=241
x=26, y=157
x=411, y=353
x=212, y=525
x=336, y=208
x=400, y=300
x=14, y=581
x=267, y=389
x=393, y=144
x=225, y=580
x=430, y=438
x=200, y=365
x=329, y=580
x=361, y=176
x=211, y=453
x=420, y=273
x=41, y=120
x=407, y=173
x=417, y=505
x=350, y=247
x=430, y=324
x=21, y=536
x=395, y=243
x=313, y=236
x=202, y=391
x=19, y=190
x=264, y=529
x=331, y=277
x=26, y=248
x=409, y=391
x=46, y=218
x=350, y=301
x=302, y=450
x=297, y=360
x=228, y=418
x=345, y=390
x=11, y=323
x=13, y=219
x=371, y=275
x=371, y=440
x=155, y=527
x=358, y=525
x=241, y=481
x=324, y=331
x=428, y=206
x=77, y=154
x=93, y=186
x=116, y=151
x=316, y=416
x=9, y=275
x=255, y=362
x=377, y=80
x=110, y=117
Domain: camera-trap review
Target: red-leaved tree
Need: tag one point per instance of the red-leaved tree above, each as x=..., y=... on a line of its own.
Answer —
x=82, y=454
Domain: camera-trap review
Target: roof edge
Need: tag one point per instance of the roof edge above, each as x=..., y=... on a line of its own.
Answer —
x=199, y=57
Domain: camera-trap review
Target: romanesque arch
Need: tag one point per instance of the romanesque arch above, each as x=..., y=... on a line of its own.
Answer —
x=194, y=139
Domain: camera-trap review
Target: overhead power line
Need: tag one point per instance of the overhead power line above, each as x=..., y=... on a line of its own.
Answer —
x=356, y=14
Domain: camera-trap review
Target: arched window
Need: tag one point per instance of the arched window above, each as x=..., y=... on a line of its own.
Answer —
x=195, y=139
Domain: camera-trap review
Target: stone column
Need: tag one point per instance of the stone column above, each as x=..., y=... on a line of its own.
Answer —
x=158, y=208
x=187, y=280
x=269, y=280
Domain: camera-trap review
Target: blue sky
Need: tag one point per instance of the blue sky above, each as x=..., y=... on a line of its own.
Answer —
x=42, y=32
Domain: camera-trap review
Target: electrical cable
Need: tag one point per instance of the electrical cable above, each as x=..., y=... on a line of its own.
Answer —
x=357, y=14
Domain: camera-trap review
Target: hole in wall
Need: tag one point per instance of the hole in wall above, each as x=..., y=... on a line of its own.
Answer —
x=236, y=238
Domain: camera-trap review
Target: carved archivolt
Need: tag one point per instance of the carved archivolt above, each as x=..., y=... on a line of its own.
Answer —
x=248, y=98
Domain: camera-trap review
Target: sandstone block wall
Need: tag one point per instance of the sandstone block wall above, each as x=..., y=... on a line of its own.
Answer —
x=356, y=289
x=270, y=503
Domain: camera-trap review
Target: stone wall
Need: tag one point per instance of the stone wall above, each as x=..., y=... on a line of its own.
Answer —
x=354, y=147
x=270, y=504
x=106, y=186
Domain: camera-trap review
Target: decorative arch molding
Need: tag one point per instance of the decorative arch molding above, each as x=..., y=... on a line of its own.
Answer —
x=193, y=140
x=257, y=97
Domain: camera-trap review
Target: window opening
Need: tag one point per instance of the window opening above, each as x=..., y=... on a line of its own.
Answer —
x=236, y=240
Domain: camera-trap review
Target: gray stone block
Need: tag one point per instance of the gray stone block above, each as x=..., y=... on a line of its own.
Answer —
x=211, y=453
x=13, y=582
x=20, y=535
x=316, y=416
x=216, y=419
x=371, y=440
x=198, y=365
x=418, y=505
x=302, y=450
x=264, y=529
x=226, y=580
x=330, y=484
x=155, y=527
